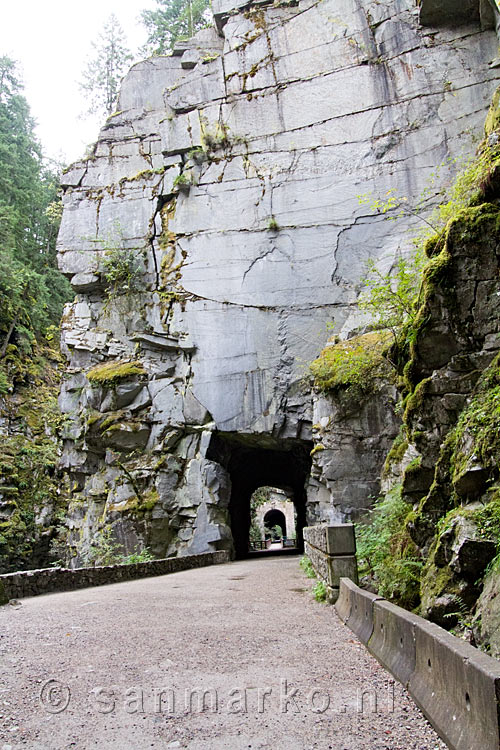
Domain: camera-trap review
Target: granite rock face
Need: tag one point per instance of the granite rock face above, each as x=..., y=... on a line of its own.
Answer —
x=213, y=233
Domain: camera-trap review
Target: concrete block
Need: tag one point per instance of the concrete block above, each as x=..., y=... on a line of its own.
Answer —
x=343, y=604
x=332, y=569
x=393, y=639
x=457, y=687
x=334, y=540
x=361, y=618
x=345, y=566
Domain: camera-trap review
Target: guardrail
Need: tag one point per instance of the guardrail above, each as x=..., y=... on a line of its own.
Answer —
x=456, y=686
x=50, y=580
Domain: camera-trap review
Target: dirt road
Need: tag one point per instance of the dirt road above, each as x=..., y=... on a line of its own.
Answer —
x=133, y=665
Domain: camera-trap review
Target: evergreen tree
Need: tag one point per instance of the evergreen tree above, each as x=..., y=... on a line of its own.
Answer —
x=173, y=19
x=104, y=72
x=32, y=291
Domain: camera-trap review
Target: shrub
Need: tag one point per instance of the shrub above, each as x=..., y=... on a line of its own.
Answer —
x=307, y=567
x=137, y=557
x=121, y=270
x=320, y=591
x=386, y=552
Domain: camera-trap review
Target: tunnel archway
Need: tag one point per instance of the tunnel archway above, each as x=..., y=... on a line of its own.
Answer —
x=256, y=461
x=275, y=517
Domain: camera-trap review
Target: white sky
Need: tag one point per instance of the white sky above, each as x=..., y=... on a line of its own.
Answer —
x=51, y=40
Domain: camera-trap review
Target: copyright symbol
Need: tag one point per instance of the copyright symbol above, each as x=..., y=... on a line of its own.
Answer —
x=55, y=696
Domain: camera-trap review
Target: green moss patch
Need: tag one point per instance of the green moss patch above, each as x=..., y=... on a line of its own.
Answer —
x=477, y=434
x=112, y=372
x=352, y=364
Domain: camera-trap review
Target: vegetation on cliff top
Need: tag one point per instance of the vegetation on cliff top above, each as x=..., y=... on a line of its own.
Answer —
x=172, y=20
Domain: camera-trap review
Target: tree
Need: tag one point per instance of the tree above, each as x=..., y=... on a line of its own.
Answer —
x=32, y=291
x=104, y=72
x=173, y=20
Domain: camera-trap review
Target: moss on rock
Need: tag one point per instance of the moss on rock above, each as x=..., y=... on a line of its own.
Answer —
x=353, y=364
x=110, y=373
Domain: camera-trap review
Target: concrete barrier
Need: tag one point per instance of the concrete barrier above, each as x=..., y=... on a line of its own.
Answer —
x=456, y=686
x=344, y=604
x=332, y=551
x=355, y=607
x=361, y=616
x=393, y=639
x=50, y=580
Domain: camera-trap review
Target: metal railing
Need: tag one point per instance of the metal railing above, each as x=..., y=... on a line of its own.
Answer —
x=261, y=544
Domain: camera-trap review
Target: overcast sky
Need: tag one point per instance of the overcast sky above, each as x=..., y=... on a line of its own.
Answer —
x=51, y=39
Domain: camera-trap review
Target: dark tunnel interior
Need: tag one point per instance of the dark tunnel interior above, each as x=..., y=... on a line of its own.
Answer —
x=282, y=464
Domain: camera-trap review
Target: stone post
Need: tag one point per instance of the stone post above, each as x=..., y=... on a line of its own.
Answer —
x=332, y=551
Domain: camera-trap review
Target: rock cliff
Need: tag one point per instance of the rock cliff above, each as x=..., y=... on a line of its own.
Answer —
x=213, y=233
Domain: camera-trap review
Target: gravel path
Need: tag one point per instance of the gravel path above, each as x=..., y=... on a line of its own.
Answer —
x=109, y=667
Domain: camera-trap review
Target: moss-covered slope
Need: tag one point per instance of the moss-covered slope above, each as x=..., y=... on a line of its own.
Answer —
x=32, y=498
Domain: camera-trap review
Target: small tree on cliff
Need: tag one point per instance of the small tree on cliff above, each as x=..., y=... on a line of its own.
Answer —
x=173, y=19
x=104, y=72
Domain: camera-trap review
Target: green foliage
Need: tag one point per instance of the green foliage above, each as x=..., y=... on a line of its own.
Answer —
x=307, y=566
x=144, y=555
x=397, y=451
x=121, y=270
x=104, y=550
x=352, y=365
x=477, y=433
x=320, y=591
x=4, y=383
x=171, y=21
x=470, y=184
x=103, y=73
x=273, y=225
x=32, y=291
x=29, y=449
x=259, y=497
x=276, y=532
x=385, y=551
x=393, y=299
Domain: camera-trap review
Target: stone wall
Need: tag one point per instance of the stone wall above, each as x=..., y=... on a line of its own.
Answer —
x=52, y=580
x=277, y=501
x=224, y=194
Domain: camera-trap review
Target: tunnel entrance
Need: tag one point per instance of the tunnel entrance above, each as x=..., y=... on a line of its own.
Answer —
x=255, y=461
x=275, y=518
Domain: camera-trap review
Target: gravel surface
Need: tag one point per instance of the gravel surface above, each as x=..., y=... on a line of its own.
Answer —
x=123, y=666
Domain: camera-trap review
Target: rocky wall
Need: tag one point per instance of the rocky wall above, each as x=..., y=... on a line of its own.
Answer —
x=214, y=231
